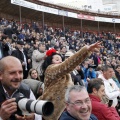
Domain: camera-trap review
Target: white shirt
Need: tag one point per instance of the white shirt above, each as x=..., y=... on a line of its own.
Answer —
x=111, y=89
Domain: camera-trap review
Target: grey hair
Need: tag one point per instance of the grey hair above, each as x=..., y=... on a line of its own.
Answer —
x=76, y=88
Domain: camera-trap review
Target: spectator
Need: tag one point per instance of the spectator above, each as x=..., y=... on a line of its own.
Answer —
x=9, y=31
x=99, y=70
x=63, y=50
x=96, y=90
x=78, y=104
x=57, y=77
x=96, y=58
x=21, y=54
x=11, y=75
x=48, y=45
x=28, y=50
x=4, y=46
x=117, y=72
x=77, y=74
x=21, y=35
x=36, y=86
x=115, y=79
x=9, y=45
x=33, y=74
x=15, y=27
x=38, y=57
x=111, y=89
x=89, y=71
x=85, y=70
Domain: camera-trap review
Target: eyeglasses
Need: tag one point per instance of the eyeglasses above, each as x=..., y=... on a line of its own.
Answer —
x=81, y=103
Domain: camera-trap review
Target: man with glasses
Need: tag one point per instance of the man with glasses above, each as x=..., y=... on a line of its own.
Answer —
x=78, y=104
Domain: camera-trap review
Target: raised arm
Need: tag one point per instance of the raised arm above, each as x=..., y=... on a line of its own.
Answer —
x=58, y=70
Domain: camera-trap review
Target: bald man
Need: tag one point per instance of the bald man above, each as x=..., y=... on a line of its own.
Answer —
x=11, y=75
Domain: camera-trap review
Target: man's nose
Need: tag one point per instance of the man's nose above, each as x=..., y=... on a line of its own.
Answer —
x=18, y=75
x=84, y=105
x=103, y=93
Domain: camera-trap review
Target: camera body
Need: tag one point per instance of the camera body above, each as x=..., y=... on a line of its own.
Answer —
x=27, y=106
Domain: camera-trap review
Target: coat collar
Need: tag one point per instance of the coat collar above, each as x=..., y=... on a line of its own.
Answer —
x=94, y=98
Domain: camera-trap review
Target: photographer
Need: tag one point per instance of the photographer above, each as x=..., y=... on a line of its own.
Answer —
x=11, y=75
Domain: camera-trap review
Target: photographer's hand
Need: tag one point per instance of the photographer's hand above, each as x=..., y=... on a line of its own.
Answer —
x=8, y=108
x=26, y=117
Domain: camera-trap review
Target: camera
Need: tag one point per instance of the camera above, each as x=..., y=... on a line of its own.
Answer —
x=27, y=106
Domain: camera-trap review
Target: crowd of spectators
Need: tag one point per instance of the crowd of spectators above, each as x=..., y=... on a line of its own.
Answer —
x=29, y=44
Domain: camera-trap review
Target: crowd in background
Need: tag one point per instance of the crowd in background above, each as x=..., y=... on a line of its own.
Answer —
x=63, y=41
x=29, y=44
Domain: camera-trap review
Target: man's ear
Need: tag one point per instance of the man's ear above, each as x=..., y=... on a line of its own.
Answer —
x=67, y=106
x=94, y=90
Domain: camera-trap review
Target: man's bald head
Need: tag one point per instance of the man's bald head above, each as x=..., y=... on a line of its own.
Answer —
x=8, y=61
x=11, y=73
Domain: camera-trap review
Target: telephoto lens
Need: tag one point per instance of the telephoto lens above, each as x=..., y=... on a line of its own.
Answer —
x=40, y=107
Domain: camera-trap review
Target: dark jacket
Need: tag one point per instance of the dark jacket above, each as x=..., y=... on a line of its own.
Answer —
x=4, y=48
x=95, y=59
x=77, y=79
x=117, y=75
x=102, y=111
x=18, y=54
x=9, y=32
x=66, y=116
x=23, y=89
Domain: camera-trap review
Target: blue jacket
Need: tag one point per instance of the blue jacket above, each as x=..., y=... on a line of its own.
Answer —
x=66, y=116
x=91, y=74
x=88, y=73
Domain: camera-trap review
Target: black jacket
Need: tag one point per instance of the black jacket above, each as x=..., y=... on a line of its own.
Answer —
x=18, y=54
x=23, y=89
x=66, y=116
x=4, y=48
x=117, y=75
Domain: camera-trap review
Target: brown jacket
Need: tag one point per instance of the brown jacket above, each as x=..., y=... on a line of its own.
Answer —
x=57, y=79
